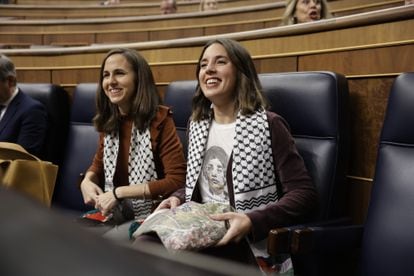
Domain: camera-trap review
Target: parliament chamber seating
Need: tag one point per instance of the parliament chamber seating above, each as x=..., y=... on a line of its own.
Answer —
x=383, y=245
x=330, y=45
x=316, y=114
x=57, y=103
x=80, y=148
x=315, y=105
x=178, y=96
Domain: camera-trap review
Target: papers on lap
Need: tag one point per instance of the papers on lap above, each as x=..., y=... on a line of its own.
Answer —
x=186, y=227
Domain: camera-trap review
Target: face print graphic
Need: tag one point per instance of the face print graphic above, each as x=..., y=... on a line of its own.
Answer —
x=214, y=171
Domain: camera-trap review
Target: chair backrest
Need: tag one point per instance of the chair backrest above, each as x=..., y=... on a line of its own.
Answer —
x=79, y=150
x=315, y=106
x=388, y=242
x=179, y=96
x=56, y=101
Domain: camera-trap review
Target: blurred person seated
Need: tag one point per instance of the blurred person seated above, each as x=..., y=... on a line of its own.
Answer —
x=302, y=11
x=208, y=5
x=111, y=2
x=168, y=6
x=23, y=120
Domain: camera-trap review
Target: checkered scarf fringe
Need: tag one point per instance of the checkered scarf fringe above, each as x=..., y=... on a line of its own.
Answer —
x=141, y=166
x=254, y=179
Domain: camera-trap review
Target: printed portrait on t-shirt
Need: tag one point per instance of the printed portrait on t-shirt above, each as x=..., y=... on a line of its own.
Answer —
x=214, y=173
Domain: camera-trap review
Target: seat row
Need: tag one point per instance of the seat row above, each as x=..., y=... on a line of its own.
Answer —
x=97, y=10
x=65, y=33
x=383, y=245
x=317, y=117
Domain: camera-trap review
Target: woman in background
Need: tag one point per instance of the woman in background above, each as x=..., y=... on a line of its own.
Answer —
x=168, y=6
x=208, y=5
x=302, y=11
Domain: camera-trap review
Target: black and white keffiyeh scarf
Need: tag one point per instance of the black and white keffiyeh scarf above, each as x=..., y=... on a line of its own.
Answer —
x=254, y=179
x=141, y=165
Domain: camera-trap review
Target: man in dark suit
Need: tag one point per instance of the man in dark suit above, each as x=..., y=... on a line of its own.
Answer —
x=23, y=120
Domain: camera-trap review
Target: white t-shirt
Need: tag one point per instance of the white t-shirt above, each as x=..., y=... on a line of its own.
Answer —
x=212, y=180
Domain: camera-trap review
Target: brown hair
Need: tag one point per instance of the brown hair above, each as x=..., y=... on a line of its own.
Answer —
x=144, y=105
x=248, y=91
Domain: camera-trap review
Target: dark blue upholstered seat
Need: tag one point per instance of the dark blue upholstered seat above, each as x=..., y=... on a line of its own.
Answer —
x=385, y=241
x=56, y=101
x=388, y=242
x=315, y=106
x=80, y=148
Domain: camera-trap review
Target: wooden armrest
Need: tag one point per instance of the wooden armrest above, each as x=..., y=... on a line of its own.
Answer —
x=278, y=241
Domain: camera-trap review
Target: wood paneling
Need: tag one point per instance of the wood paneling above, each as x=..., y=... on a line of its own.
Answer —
x=369, y=96
x=95, y=10
x=360, y=194
x=28, y=33
x=36, y=76
x=74, y=2
x=382, y=60
x=281, y=64
x=264, y=11
x=271, y=11
x=100, y=11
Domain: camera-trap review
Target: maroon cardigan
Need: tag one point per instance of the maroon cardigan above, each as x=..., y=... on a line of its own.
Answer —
x=168, y=155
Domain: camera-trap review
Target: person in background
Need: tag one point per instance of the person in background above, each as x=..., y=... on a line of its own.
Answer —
x=111, y=2
x=208, y=5
x=140, y=157
x=23, y=120
x=168, y=6
x=302, y=11
x=266, y=179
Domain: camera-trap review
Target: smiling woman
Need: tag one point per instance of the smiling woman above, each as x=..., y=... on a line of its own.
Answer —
x=242, y=155
x=140, y=157
x=302, y=11
x=218, y=82
x=118, y=82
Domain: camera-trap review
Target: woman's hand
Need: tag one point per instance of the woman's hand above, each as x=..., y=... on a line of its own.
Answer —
x=169, y=203
x=105, y=203
x=90, y=191
x=240, y=226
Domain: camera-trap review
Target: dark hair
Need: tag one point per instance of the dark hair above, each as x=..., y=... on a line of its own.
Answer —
x=144, y=105
x=248, y=91
x=7, y=68
x=218, y=153
x=215, y=152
